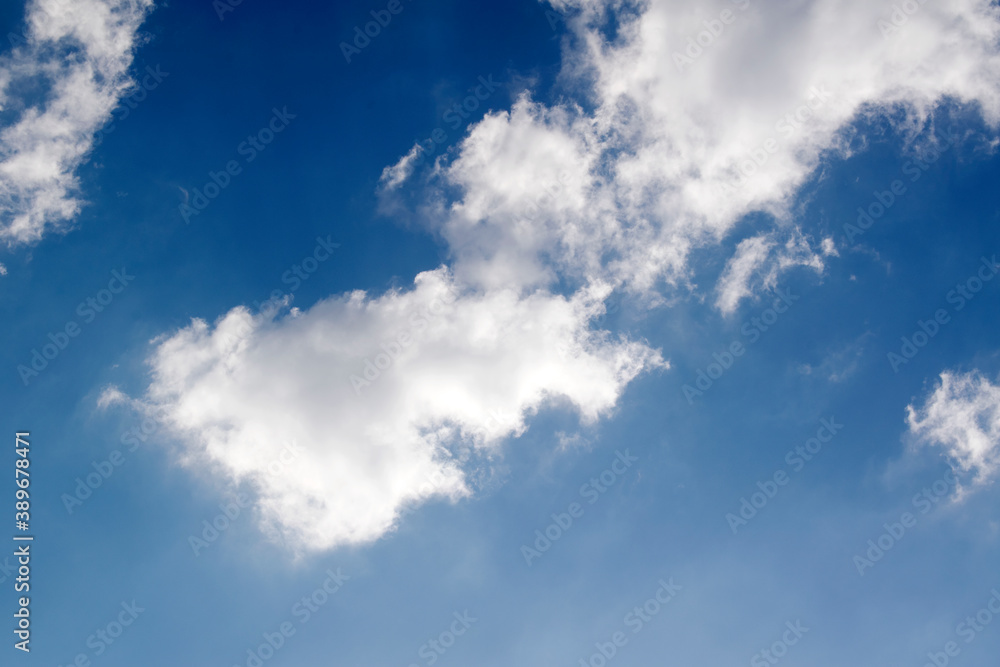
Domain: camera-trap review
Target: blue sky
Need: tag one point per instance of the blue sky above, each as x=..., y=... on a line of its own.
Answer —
x=595, y=369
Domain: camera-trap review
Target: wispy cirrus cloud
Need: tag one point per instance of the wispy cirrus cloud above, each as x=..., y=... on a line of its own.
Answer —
x=758, y=262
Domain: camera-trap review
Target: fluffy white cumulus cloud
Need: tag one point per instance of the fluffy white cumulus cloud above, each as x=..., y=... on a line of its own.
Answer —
x=75, y=60
x=544, y=209
x=962, y=418
x=697, y=113
x=389, y=400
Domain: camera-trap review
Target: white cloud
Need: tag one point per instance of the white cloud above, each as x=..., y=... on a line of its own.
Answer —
x=80, y=52
x=756, y=265
x=662, y=163
x=734, y=285
x=112, y=396
x=394, y=175
x=570, y=441
x=448, y=378
x=962, y=418
x=615, y=192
